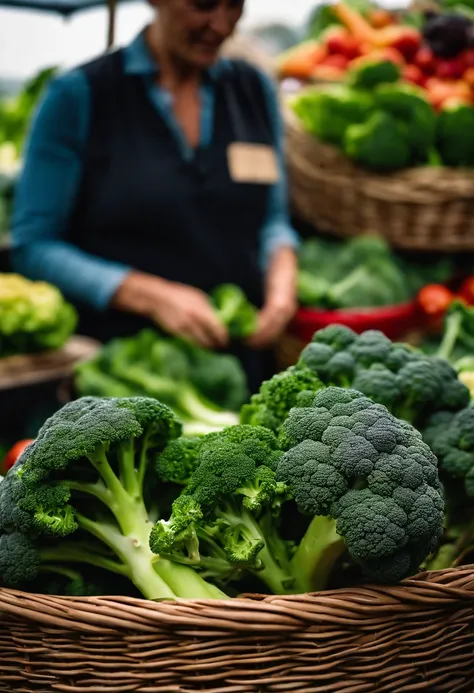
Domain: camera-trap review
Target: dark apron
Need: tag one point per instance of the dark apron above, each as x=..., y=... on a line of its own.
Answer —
x=140, y=203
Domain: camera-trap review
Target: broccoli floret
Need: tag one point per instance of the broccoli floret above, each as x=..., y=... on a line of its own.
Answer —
x=179, y=460
x=271, y=405
x=411, y=384
x=234, y=310
x=363, y=475
x=378, y=383
x=451, y=437
x=227, y=520
x=85, y=492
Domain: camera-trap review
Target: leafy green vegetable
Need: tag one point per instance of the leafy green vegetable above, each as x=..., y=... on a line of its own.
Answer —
x=235, y=310
x=204, y=389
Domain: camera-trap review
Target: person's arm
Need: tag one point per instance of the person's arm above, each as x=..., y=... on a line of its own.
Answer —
x=45, y=199
x=279, y=242
x=46, y=194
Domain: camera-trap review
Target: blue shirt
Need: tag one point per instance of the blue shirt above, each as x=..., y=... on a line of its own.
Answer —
x=51, y=176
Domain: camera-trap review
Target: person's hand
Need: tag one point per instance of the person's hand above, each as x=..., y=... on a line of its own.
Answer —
x=179, y=309
x=272, y=321
x=281, y=299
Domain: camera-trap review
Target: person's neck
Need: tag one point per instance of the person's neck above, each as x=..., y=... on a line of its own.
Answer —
x=174, y=72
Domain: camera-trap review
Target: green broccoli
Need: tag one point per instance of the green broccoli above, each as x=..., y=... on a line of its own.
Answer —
x=226, y=523
x=455, y=135
x=177, y=462
x=412, y=385
x=219, y=377
x=407, y=103
x=234, y=310
x=379, y=144
x=86, y=492
x=370, y=482
x=271, y=405
x=362, y=273
x=327, y=113
x=451, y=437
x=370, y=73
x=159, y=368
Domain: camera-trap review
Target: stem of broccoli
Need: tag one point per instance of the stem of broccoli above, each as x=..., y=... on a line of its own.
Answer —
x=129, y=539
x=70, y=554
x=199, y=410
x=316, y=555
x=450, y=337
x=274, y=576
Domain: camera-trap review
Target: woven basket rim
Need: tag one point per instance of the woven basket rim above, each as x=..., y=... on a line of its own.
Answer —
x=451, y=182
x=250, y=613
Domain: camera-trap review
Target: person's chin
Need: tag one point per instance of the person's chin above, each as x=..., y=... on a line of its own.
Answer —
x=206, y=57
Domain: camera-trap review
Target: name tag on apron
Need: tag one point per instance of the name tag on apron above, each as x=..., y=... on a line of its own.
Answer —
x=252, y=163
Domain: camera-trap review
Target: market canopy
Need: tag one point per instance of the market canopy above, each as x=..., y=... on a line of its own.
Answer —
x=62, y=7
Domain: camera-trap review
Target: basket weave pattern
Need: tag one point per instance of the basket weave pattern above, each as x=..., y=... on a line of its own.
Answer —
x=416, y=209
x=418, y=636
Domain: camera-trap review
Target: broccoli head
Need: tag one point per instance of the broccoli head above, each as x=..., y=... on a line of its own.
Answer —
x=85, y=492
x=409, y=383
x=451, y=437
x=366, y=476
x=271, y=405
x=226, y=521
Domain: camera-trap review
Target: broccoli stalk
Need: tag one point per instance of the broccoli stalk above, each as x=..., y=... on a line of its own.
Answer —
x=84, y=493
x=234, y=310
x=316, y=555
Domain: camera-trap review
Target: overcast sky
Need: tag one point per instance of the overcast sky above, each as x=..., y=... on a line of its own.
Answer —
x=30, y=41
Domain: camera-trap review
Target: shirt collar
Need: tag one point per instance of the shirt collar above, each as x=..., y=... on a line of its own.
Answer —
x=139, y=60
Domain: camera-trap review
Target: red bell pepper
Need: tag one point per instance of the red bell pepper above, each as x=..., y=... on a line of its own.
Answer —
x=14, y=453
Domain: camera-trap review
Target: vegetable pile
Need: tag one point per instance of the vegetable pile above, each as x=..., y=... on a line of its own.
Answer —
x=437, y=55
x=385, y=125
x=325, y=480
x=205, y=389
x=34, y=316
x=362, y=272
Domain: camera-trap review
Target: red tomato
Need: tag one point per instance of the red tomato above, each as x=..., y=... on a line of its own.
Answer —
x=426, y=60
x=450, y=69
x=467, y=290
x=14, y=453
x=434, y=300
x=413, y=74
x=338, y=61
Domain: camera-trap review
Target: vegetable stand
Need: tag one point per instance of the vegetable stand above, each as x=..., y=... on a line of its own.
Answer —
x=418, y=636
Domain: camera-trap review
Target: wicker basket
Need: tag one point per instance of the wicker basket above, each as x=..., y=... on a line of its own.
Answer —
x=407, y=639
x=416, y=209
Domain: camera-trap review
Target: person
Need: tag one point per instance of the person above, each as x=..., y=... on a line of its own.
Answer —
x=155, y=173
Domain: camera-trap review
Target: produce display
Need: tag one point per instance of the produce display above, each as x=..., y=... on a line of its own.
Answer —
x=329, y=477
x=205, y=389
x=437, y=55
x=362, y=272
x=34, y=316
x=385, y=125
